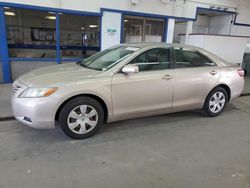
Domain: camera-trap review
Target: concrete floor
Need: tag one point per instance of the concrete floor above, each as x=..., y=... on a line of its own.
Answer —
x=177, y=150
x=5, y=102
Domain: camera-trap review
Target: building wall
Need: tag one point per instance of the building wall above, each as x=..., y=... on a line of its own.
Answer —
x=216, y=24
x=179, y=9
x=227, y=47
x=220, y=25
x=201, y=25
x=111, y=21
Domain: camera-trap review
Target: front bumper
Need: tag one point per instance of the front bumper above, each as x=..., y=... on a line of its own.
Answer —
x=37, y=113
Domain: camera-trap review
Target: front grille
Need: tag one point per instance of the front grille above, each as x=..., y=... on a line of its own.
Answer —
x=18, y=87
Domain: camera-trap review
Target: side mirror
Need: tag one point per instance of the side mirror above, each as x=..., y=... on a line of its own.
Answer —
x=130, y=69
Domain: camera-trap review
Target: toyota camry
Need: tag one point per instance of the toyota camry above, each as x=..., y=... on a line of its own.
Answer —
x=122, y=82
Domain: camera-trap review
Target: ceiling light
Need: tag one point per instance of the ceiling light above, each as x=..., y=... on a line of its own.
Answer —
x=6, y=7
x=93, y=26
x=125, y=20
x=82, y=28
x=50, y=17
x=51, y=12
x=9, y=13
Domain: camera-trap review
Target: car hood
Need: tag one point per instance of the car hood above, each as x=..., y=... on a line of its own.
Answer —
x=51, y=75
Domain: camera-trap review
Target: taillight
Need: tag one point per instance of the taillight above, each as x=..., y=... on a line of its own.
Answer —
x=241, y=72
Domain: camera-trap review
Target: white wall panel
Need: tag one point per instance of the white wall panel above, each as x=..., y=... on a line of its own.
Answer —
x=180, y=28
x=170, y=33
x=111, y=29
x=244, y=15
x=229, y=48
x=220, y=24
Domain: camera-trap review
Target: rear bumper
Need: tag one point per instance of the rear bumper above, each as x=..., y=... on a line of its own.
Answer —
x=237, y=88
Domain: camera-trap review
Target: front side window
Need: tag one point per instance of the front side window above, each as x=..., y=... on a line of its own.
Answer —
x=108, y=58
x=186, y=58
x=154, y=59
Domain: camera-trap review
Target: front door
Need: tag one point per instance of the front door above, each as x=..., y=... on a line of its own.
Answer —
x=149, y=90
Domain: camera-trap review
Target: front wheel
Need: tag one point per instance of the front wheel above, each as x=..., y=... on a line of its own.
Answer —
x=81, y=117
x=216, y=102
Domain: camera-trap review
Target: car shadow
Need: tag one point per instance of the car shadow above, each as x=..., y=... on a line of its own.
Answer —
x=114, y=131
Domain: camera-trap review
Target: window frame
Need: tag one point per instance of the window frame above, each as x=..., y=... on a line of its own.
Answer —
x=194, y=50
x=77, y=47
x=144, y=19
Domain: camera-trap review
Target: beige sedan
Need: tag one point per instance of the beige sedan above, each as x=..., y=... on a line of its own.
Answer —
x=125, y=81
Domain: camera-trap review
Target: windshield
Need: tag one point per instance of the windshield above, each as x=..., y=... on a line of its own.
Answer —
x=108, y=58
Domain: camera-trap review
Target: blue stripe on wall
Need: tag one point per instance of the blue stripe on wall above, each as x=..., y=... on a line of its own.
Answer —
x=165, y=30
x=58, y=55
x=4, y=48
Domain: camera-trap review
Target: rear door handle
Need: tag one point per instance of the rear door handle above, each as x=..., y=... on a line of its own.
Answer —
x=213, y=72
x=167, y=77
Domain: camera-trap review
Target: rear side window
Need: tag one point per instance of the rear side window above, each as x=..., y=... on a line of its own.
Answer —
x=186, y=58
x=153, y=59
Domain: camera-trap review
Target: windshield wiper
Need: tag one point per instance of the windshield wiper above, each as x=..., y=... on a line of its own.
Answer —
x=81, y=64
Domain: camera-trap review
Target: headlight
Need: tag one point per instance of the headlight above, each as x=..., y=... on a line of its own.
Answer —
x=38, y=92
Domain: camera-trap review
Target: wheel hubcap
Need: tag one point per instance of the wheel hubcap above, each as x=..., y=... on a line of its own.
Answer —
x=217, y=102
x=82, y=119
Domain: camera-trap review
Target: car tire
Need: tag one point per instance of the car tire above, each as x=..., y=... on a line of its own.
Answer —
x=81, y=117
x=215, y=102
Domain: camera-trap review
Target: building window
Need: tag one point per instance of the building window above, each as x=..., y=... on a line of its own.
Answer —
x=30, y=34
x=139, y=29
x=79, y=35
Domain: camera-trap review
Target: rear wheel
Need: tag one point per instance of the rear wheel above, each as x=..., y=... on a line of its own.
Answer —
x=81, y=117
x=216, y=102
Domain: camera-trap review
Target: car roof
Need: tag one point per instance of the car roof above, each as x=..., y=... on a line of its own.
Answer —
x=160, y=44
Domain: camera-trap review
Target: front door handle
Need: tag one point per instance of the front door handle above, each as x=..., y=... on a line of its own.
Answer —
x=167, y=77
x=213, y=72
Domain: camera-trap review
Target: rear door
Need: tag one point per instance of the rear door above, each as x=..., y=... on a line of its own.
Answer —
x=194, y=76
